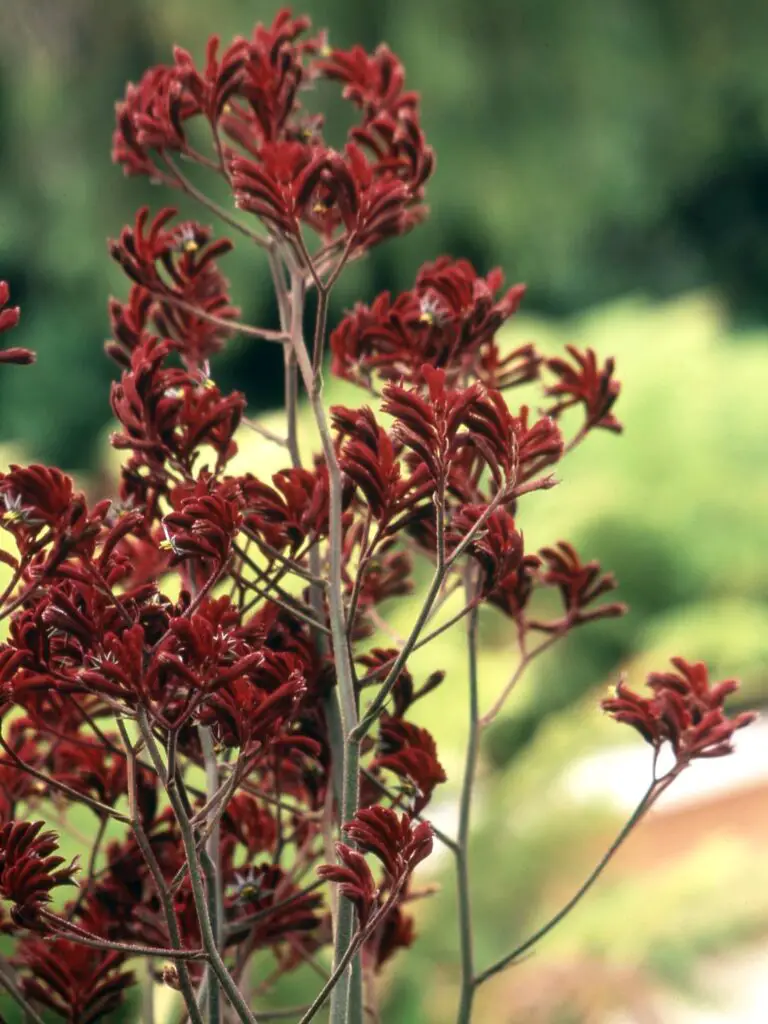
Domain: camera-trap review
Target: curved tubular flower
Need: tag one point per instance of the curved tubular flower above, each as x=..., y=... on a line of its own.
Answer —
x=399, y=843
x=448, y=320
x=290, y=514
x=177, y=287
x=374, y=82
x=204, y=527
x=498, y=547
x=167, y=413
x=410, y=752
x=436, y=427
x=586, y=384
x=79, y=983
x=355, y=880
x=685, y=710
x=29, y=869
x=580, y=585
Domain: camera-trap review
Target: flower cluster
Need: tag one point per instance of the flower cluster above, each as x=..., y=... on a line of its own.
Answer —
x=204, y=663
x=684, y=710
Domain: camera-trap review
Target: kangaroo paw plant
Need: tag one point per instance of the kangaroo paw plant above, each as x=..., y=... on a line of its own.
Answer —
x=197, y=676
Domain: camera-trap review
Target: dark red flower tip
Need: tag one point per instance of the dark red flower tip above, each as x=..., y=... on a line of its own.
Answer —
x=580, y=585
x=9, y=315
x=684, y=710
x=76, y=982
x=369, y=459
x=29, y=868
x=35, y=496
x=355, y=880
x=399, y=842
x=374, y=82
x=439, y=425
x=497, y=546
x=168, y=413
x=177, y=288
x=448, y=320
x=587, y=384
x=292, y=512
x=204, y=526
x=410, y=752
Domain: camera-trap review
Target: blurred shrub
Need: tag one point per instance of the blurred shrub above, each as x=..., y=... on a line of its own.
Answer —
x=592, y=149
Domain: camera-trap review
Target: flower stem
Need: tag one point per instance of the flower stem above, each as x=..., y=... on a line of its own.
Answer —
x=195, y=875
x=650, y=796
x=462, y=841
x=212, y=869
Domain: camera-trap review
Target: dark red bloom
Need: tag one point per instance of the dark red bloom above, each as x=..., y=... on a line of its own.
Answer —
x=290, y=513
x=437, y=427
x=580, y=585
x=35, y=496
x=151, y=117
x=30, y=869
x=355, y=880
x=9, y=317
x=585, y=384
x=213, y=88
x=79, y=983
x=167, y=413
x=497, y=546
x=409, y=752
x=400, y=843
x=177, y=287
x=685, y=710
x=374, y=82
x=242, y=714
x=369, y=459
x=272, y=74
x=448, y=321
x=539, y=445
x=279, y=187
x=204, y=526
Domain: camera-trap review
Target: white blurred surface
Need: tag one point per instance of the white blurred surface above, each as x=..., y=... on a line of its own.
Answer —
x=622, y=775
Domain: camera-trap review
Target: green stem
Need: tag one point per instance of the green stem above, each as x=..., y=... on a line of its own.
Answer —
x=211, y=864
x=653, y=792
x=171, y=922
x=195, y=875
x=462, y=841
x=346, y=996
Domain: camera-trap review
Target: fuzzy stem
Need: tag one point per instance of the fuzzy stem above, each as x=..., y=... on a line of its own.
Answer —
x=145, y=846
x=349, y=987
x=195, y=875
x=212, y=870
x=462, y=841
x=650, y=796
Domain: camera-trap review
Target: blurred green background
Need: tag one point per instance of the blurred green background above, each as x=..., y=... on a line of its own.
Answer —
x=613, y=154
